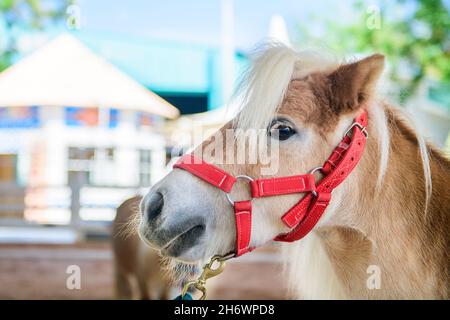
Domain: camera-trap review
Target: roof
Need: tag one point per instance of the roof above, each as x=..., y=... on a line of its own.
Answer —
x=160, y=65
x=66, y=73
x=165, y=66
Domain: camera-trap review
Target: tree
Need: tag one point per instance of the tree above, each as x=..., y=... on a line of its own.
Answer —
x=414, y=35
x=18, y=16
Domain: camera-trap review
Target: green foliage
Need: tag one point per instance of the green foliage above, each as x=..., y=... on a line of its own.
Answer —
x=24, y=16
x=414, y=35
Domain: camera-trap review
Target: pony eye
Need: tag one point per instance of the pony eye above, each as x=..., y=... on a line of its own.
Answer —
x=281, y=129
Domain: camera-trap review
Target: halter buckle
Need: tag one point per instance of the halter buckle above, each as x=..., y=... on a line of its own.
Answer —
x=314, y=193
x=360, y=126
x=243, y=177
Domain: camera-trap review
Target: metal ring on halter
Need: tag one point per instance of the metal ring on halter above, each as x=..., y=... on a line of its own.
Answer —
x=360, y=126
x=312, y=172
x=242, y=176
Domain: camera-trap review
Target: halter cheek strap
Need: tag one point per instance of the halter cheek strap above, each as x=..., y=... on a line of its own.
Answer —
x=243, y=214
x=303, y=216
x=344, y=158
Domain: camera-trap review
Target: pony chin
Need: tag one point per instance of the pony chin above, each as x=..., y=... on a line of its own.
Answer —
x=193, y=255
x=179, y=271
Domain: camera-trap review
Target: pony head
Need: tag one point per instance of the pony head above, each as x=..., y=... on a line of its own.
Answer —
x=296, y=106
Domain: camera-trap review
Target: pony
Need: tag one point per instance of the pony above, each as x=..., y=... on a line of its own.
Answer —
x=138, y=270
x=385, y=234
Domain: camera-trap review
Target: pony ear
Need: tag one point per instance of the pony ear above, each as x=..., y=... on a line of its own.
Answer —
x=353, y=84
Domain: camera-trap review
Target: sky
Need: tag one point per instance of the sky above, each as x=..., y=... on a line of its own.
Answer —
x=198, y=21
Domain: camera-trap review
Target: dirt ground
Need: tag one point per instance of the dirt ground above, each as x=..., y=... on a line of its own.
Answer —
x=39, y=272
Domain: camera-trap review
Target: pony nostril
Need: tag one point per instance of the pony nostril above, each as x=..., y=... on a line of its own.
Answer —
x=155, y=205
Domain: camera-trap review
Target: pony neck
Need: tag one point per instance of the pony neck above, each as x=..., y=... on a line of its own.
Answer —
x=391, y=225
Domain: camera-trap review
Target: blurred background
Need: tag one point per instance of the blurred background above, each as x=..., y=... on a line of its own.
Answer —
x=97, y=96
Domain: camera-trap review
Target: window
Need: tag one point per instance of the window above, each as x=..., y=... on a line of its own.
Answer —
x=93, y=166
x=81, y=117
x=20, y=117
x=145, y=167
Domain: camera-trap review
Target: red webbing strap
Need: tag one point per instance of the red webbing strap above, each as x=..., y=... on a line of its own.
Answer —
x=309, y=215
x=336, y=156
x=284, y=185
x=305, y=214
x=224, y=181
x=243, y=214
x=210, y=173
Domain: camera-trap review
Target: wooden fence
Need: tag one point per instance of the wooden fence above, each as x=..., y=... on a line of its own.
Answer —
x=54, y=207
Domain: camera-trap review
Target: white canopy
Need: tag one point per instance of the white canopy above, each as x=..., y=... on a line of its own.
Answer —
x=66, y=73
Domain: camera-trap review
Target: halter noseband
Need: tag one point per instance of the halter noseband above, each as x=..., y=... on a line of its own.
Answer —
x=304, y=215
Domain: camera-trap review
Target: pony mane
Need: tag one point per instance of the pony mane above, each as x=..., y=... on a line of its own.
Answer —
x=263, y=86
x=379, y=118
x=409, y=128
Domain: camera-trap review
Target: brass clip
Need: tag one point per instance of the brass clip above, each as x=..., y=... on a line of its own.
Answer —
x=208, y=272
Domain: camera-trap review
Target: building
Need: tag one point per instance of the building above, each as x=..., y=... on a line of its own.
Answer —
x=73, y=125
x=188, y=75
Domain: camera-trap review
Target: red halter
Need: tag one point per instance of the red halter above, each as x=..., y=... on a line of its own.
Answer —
x=304, y=215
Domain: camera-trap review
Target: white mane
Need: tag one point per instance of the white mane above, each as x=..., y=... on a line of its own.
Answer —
x=263, y=86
